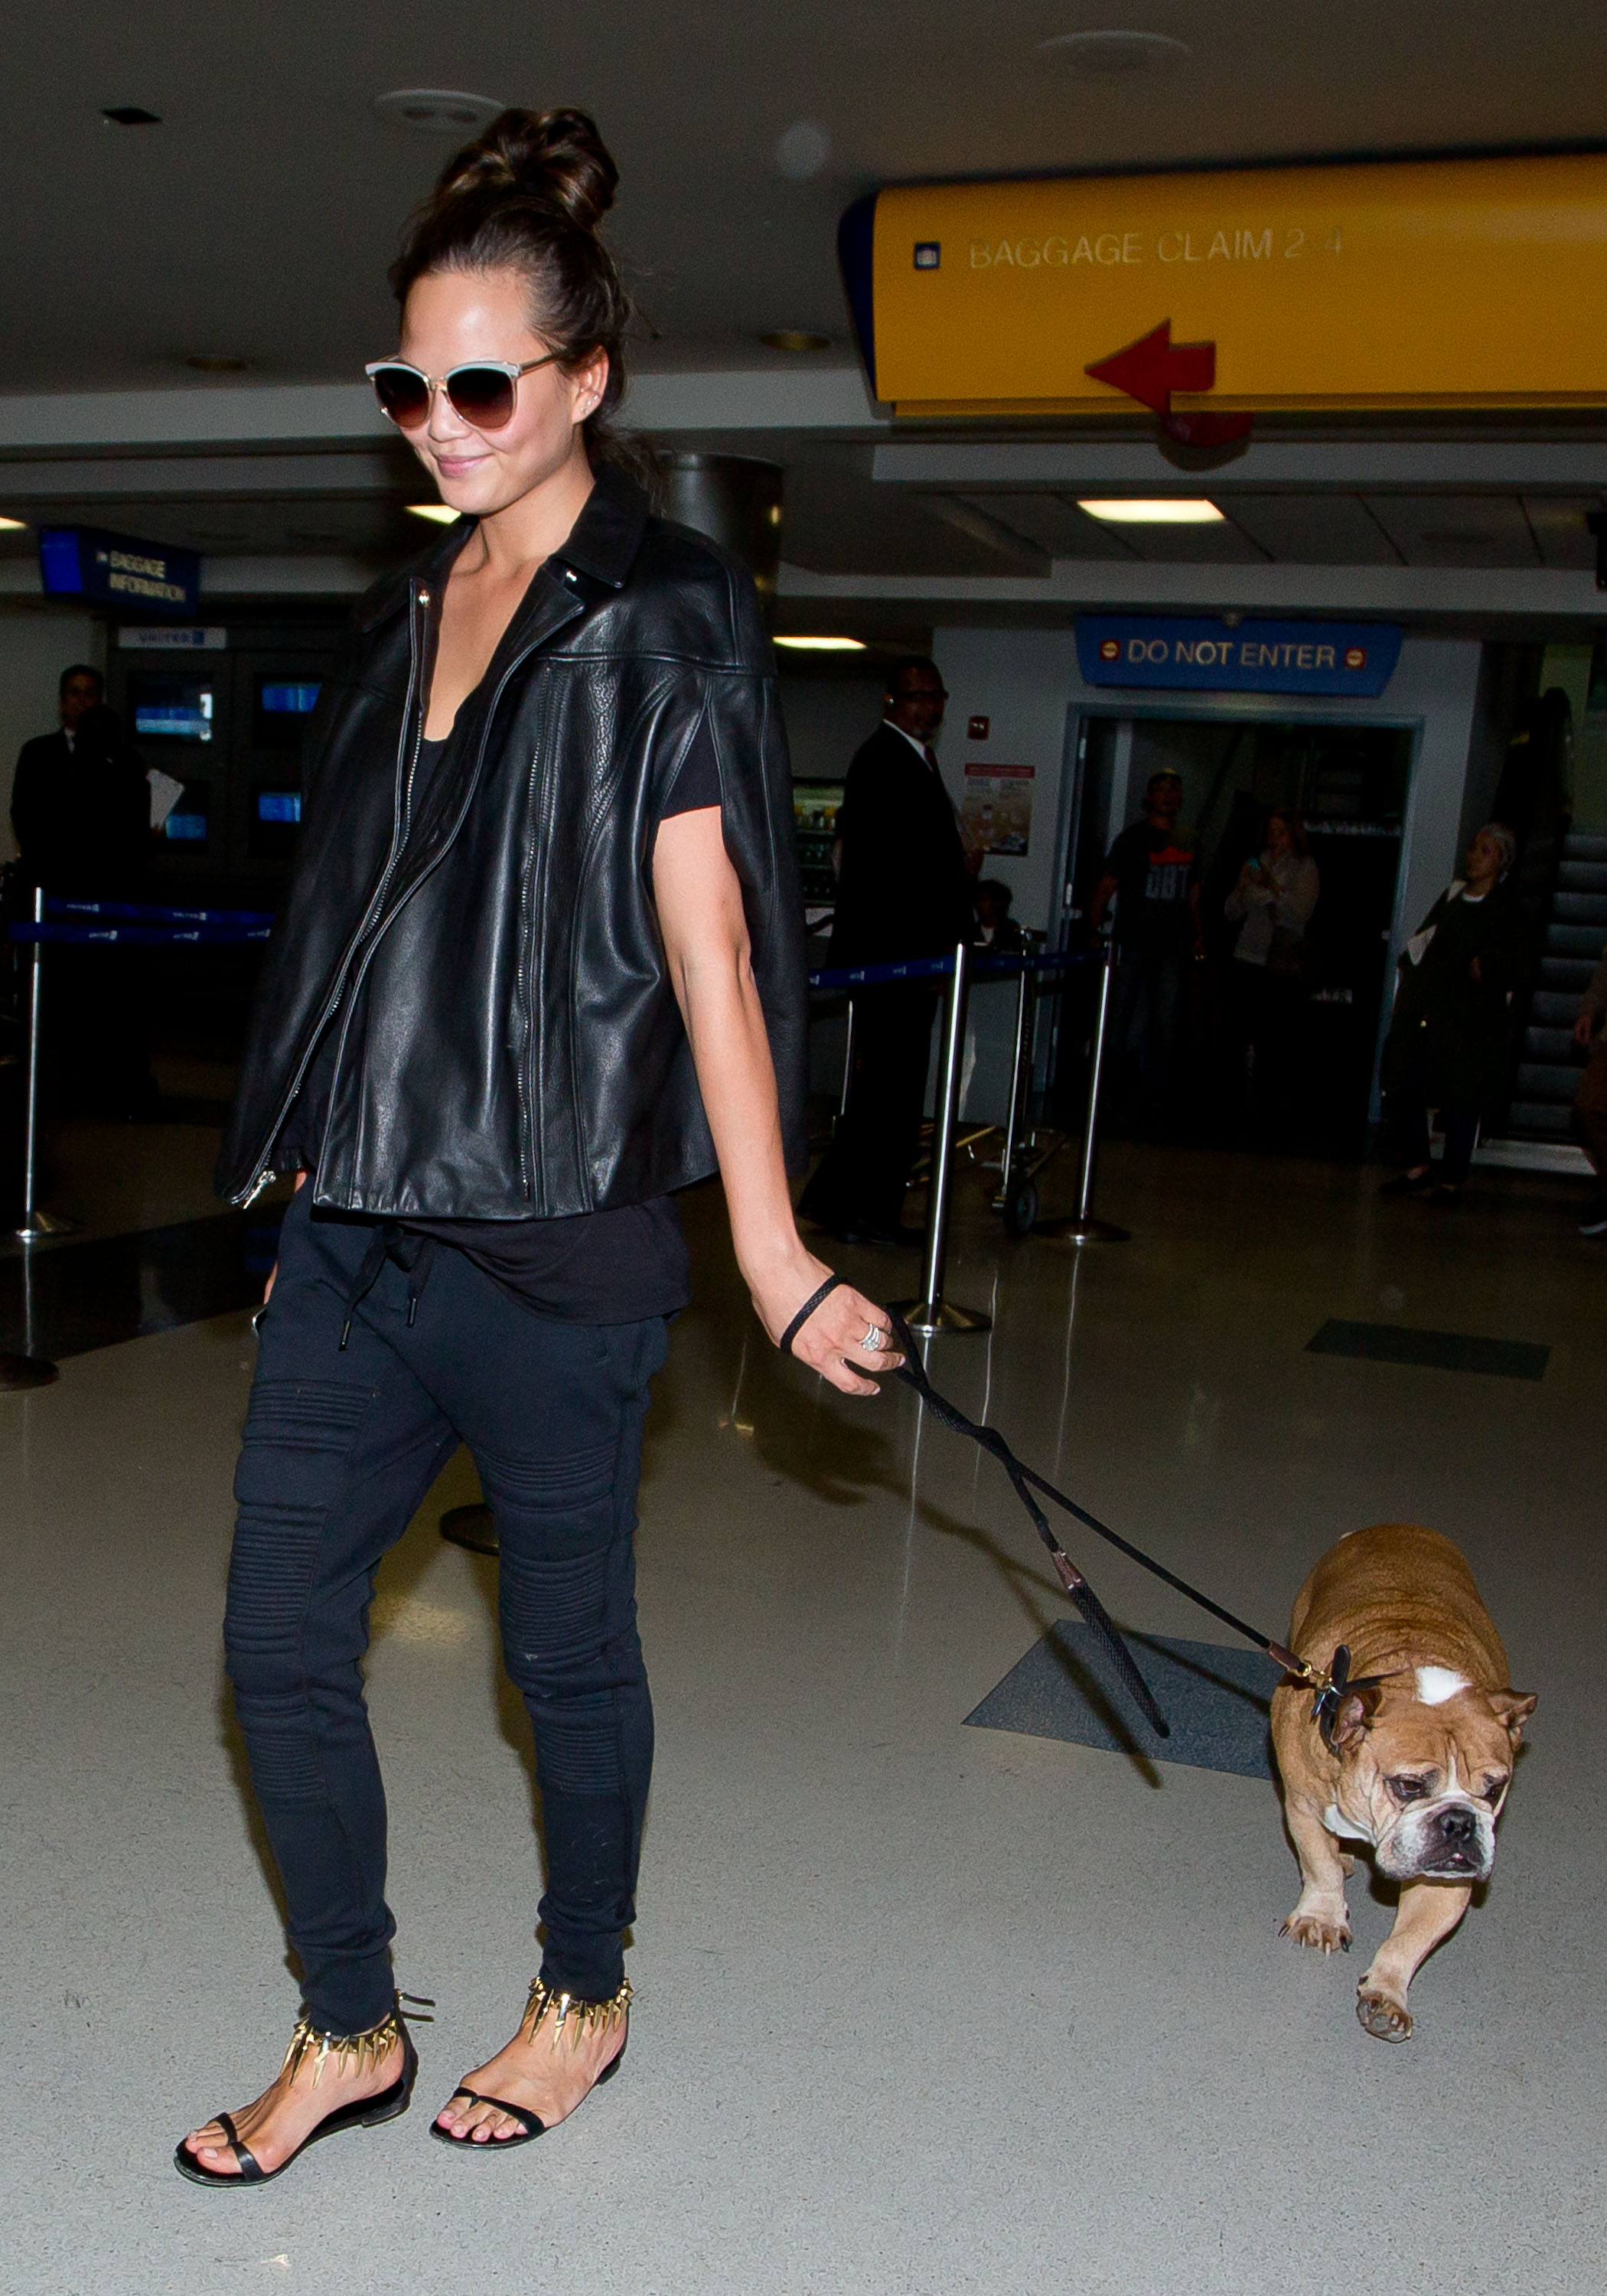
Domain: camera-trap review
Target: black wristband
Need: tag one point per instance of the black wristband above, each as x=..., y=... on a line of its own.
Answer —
x=785, y=1342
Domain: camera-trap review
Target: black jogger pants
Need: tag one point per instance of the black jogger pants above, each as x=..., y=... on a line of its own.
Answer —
x=340, y=1447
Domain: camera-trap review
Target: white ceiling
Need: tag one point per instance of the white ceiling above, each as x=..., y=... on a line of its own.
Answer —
x=258, y=218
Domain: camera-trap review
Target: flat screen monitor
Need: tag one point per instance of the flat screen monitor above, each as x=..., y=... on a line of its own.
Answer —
x=276, y=820
x=280, y=706
x=171, y=708
x=189, y=825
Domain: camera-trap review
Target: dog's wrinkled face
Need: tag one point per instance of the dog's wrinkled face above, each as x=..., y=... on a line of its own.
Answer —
x=1425, y=1763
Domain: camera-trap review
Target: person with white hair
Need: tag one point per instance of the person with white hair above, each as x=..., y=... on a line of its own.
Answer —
x=1450, y=1038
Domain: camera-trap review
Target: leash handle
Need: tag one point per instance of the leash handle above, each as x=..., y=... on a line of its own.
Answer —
x=831, y=1284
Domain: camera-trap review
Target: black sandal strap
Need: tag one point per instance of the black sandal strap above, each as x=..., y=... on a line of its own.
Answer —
x=250, y=2166
x=785, y=1342
x=531, y=2124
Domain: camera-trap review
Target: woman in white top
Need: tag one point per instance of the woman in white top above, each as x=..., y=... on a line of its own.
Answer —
x=1275, y=895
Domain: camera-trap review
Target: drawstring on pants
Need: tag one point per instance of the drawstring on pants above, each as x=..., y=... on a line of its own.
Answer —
x=413, y=1254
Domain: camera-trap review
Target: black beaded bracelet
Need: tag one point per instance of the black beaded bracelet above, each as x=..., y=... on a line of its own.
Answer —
x=785, y=1342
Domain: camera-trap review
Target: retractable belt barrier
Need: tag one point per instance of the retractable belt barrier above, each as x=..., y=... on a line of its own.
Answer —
x=94, y=924
x=936, y=968
x=138, y=924
x=931, y=1311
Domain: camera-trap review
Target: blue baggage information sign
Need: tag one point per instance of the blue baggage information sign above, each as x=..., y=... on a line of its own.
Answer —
x=1248, y=657
x=81, y=561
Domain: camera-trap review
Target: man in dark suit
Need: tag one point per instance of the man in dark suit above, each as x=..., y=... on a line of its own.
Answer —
x=904, y=890
x=81, y=811
x=46, y=803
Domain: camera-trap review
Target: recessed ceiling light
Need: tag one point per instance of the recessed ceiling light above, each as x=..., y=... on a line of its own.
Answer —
x=794, y=339
x=1113, y=56
x=130, y=115
x=437, y=111
x=13, y=525
x=438, y=514
x=217, y=362
x=823, y=645
x=1180, y=510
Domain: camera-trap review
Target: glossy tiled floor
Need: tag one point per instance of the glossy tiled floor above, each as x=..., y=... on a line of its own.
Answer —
x=922, y=2009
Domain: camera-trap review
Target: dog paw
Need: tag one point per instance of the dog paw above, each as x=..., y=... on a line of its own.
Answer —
x=1385, y=2020
x=1327, y=1934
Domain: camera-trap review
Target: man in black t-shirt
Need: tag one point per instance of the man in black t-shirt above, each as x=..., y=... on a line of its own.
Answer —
x=1153, y=877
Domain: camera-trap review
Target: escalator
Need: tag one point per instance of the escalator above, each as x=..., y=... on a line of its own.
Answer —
x=1575, y=932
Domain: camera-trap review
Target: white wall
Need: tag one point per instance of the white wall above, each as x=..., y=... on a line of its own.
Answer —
x=1021, y=681
x=35, y=648
x=1027, y=684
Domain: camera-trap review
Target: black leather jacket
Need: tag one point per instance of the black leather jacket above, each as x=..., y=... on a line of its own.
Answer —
x=510, y=1044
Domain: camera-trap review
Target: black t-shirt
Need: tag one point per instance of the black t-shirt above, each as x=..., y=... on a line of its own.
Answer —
x=1155, y=871
x=617, y=1266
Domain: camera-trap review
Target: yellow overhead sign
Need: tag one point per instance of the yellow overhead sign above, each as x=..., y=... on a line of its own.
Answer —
x=1422, y=283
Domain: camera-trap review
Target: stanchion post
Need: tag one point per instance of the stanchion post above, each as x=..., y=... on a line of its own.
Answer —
x=931, y=1312
x=1013, y=1122
x=1082, y=1227
x=848, y=1061
x=35, y=1223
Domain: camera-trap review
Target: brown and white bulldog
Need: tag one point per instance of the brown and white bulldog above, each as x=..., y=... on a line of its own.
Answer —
x=1421, y=1752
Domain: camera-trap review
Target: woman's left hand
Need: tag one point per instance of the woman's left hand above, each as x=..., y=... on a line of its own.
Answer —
x=834, y=1340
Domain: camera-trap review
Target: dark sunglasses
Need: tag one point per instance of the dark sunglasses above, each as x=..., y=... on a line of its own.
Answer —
x=484, y=392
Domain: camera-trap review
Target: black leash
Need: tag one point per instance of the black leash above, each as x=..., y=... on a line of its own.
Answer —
x=1330, y=1686
x=913, y=1371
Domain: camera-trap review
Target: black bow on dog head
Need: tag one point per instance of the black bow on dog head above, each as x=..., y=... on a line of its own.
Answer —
x=1325, y=1713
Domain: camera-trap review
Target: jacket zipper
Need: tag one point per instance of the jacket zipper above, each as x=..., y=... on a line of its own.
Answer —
x=403, y=806
x=406, y=768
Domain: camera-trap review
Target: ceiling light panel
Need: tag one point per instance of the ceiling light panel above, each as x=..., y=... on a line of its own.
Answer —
x=1054, y=523
x=1131, y=510
x=438, y=514
x=823, y=645
x=1212, y=542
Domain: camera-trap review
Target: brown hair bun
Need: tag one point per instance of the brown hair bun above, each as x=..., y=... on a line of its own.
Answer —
x=528, y=196
x=552, y=156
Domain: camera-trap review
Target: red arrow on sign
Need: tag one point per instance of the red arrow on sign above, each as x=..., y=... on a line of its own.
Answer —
x=1150, y=369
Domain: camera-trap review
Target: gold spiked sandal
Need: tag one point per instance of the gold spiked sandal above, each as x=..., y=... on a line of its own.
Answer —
x=351, y=2052
x=561, y=2012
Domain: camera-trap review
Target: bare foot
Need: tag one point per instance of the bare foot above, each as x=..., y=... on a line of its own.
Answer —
x=544, y=2072
x=284, y=2116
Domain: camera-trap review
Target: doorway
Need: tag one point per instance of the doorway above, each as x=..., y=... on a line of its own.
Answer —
x=1305, y=1085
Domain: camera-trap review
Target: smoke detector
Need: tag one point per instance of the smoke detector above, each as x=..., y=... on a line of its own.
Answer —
x=437, y=111
x=803, y=149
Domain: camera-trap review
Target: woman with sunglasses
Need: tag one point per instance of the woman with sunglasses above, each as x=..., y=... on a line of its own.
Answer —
x=539, y=966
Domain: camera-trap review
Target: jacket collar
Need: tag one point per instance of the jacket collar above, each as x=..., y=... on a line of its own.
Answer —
x=604, y=543
x=608, y=533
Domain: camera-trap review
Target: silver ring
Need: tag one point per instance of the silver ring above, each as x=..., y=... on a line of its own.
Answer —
x=874, y=1339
